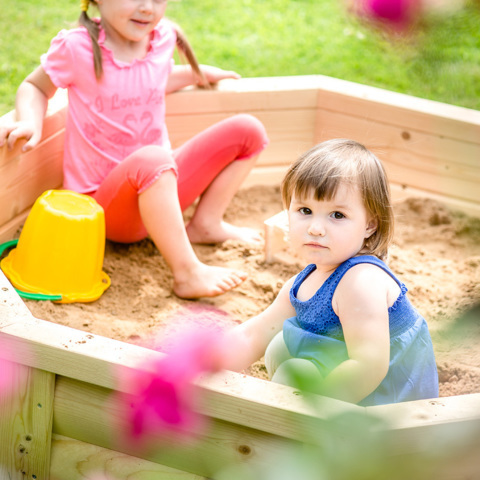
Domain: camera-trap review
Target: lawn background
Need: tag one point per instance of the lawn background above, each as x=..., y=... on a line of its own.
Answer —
x=279, y=37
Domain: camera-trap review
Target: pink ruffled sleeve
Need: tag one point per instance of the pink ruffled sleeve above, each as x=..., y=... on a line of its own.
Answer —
x=61, y=63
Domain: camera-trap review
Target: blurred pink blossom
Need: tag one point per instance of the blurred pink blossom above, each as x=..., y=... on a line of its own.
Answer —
x=397, y=15
x=164, y=396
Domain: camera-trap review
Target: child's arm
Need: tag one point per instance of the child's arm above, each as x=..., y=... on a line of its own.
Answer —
x=247, y=342
x=31, y=105
x=361, y=301
x=182, y=76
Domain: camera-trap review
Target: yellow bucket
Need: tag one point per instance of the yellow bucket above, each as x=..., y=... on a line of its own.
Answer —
x=61, y=249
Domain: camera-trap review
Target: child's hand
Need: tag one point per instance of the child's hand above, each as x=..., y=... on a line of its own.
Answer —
x=10, y=134
x=215, y=74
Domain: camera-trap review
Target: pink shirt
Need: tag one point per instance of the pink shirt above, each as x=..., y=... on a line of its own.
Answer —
x=108, y=119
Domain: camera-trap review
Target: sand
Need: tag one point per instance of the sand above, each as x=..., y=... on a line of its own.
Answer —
x=436, y=253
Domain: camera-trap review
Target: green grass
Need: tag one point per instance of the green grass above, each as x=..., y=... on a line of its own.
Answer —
x=279, y=37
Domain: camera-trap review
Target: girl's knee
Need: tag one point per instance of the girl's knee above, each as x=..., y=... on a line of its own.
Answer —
x=299, y=373
x=252, y=126
x=275, y=354
x=251, y=133
x=148, y=163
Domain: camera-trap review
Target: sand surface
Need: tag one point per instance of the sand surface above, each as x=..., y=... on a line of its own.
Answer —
x=436, y=254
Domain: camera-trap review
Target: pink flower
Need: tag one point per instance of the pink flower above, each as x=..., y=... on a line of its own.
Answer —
x=394, y=11
x=162, y=401
x=398, y=15
x=164, y=395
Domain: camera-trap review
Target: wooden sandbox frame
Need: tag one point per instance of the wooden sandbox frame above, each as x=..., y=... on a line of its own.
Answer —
x=57, y=427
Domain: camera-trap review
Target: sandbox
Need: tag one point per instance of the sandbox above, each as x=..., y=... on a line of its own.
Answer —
x=430, y=150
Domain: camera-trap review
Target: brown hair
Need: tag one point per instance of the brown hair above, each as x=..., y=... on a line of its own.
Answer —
x=183, y=46
x=323, y=168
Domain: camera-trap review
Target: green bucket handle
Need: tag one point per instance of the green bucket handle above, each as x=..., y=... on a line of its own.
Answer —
x=28, y=295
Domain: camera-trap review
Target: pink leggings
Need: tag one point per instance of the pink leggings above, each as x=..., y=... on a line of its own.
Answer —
x=196, y=164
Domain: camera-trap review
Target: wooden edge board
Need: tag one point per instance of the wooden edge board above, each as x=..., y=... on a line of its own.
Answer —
x=95, y=359
x=90, y=414
x=8, y=230
x=26, y=423
x=319, y=83
x=409, y=429
x=54, y=122
x=74, y=460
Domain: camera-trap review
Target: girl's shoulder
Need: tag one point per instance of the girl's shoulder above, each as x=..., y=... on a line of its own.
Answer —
x=73, y=38
x=366, y=264
x=366, y=277
x=76, y=33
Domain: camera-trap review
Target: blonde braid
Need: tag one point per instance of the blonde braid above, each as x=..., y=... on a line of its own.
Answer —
x=93, y=29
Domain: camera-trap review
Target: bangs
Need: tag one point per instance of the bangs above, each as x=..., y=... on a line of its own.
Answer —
x=320, y=189
x=320, y=180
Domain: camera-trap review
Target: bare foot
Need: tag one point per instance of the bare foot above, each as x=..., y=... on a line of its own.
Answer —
x=221, y=232
x=207, y=281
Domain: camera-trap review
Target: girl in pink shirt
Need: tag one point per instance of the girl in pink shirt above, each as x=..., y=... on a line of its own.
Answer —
x=117, y=70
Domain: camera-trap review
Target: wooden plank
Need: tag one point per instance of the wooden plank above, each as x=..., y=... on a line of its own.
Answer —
x=247, y=95
x=12, y=307
x=291, y=132
x=443, y=431
x=75, y=460
x=415, y=431
x=24, y=179
x=87, y=413
x=424, y=175
x=405, y=111
x=415, y=425
x=53, y=123
x=383, y=133
x=24, y=176
x=26, y=404
x=9, y=230
x=454, y=173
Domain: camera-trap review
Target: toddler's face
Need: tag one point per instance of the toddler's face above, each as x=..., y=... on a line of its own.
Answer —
x=328, y=232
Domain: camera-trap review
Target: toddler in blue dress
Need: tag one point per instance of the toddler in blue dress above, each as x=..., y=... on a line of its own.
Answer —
x=344, y=322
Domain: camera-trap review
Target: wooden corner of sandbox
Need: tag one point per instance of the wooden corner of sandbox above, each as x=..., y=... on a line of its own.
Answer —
x=60, y=423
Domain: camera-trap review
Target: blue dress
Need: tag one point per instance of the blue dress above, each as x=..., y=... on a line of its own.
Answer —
x=315, y=334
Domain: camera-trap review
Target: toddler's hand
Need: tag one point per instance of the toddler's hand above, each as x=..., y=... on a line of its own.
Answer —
x=10, y=134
